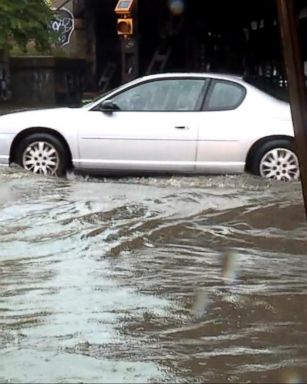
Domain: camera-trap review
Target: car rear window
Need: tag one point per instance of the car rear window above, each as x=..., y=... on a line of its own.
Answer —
x=225, y=95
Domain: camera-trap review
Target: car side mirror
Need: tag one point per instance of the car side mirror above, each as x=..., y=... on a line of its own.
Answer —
x=108, y=106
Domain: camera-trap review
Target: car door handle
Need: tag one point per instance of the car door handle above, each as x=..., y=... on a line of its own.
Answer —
x=181, y=127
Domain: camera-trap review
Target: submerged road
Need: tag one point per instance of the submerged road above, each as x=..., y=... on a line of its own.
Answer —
x=171, y=279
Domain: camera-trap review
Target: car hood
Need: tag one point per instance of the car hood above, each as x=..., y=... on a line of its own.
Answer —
x=15, y=121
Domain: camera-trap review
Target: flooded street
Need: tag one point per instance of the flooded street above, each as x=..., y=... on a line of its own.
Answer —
x=172, y=279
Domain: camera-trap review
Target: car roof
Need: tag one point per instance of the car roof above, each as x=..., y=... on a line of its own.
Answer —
x=213, y=75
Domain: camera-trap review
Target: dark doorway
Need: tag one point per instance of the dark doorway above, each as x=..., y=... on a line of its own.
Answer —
x=221, y=36
x=106, y=45
x=240, y=37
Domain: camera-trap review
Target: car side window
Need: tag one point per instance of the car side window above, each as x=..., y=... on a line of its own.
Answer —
x=225, y=95
x=163, y=95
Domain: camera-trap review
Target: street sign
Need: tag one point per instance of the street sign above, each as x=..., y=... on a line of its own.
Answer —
x=124, y=7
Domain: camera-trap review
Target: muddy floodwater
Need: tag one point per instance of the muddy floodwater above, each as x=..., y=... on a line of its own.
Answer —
x=170, y=279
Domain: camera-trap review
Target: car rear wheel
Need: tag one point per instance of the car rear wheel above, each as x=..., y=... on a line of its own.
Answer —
x=42, y=153
x=276, y=160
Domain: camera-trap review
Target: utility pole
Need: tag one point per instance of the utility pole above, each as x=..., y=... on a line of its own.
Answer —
x=289, y=27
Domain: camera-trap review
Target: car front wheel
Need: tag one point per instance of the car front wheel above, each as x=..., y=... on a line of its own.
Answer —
x=42, y=153
x=276, y=160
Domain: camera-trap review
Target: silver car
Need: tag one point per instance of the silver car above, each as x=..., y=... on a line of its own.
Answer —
x=179, y=123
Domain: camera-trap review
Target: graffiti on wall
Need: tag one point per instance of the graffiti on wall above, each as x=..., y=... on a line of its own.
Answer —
x=63, y=24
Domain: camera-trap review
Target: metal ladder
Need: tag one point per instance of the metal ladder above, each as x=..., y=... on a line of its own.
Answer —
x=106, y=76
x=158, y=61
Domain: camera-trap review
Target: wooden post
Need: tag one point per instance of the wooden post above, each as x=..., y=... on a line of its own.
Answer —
x=288, y=21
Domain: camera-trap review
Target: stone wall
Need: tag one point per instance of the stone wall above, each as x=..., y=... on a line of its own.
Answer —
x=4, y=77
x=46, y=81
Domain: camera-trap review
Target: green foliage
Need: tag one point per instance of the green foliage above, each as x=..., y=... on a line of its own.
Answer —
x=22, y=21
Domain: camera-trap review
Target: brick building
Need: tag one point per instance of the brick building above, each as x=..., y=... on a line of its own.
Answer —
x=179, y=35
x=239, y=36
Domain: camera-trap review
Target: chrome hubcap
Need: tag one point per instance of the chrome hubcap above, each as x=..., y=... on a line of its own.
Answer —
x=280, y=164
x=41, y=157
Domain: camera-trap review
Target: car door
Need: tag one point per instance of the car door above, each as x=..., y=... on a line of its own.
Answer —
x=155, y=128
x=223, y=124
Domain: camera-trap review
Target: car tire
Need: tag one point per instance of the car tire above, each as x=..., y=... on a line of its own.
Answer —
x=276, y=160
x=42, y=153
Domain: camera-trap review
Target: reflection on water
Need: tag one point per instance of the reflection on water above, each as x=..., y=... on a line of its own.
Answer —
x=152, y=279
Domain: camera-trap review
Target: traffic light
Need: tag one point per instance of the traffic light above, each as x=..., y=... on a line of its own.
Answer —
x=125, y=26
x=124, y=10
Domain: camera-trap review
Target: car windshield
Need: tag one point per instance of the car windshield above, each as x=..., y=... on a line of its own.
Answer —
x=98, y=97
x=110, y=91
x=269, y=87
